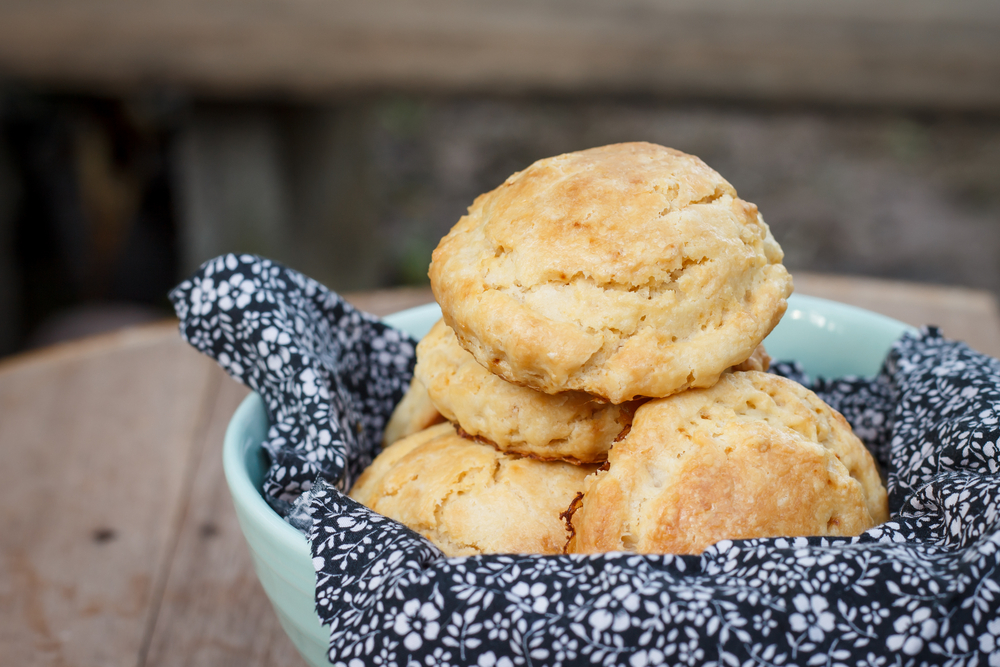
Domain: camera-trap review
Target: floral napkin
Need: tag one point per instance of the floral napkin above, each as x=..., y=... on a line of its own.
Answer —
x=922, y=589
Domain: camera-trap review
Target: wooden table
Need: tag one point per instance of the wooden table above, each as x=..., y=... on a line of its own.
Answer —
x=118, y=540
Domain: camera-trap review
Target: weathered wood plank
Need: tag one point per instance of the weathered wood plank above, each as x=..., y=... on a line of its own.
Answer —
x=96, y=444
x=214, y=611
x=893, y=52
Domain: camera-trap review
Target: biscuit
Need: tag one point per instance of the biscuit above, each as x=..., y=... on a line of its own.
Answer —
x=756, y=455
x=760, y=360
x=468, y=498
x=623, y=271
x=570, y=425
x=412, y=414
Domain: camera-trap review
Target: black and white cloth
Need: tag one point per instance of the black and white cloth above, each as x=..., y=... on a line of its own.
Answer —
x=922, y=589
x=328, y=373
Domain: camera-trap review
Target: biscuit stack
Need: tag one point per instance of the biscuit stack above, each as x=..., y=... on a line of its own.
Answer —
x=599, y=373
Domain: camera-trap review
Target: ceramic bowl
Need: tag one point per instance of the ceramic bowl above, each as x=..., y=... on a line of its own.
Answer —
x=829, y=339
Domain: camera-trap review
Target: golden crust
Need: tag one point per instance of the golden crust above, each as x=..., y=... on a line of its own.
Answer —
x=760, y=360
x=622, y=271
x=571, y=425
x=412, y=414
x=468, y=498
x=754, y=456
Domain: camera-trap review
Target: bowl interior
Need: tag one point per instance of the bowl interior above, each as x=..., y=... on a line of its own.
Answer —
x=829, y=339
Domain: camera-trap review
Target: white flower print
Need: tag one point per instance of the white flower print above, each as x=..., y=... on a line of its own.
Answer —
x=490, y=659
x=203, y=297
x=690, y=652
x=763, y=623
x=812, y=616
x=874, y=613
x=416, y=623
x=840, y=574
x=533, y=595
x=989, y=641
x=565, y=648
x=644, y=658
x=384, y=657
x=438, y=658
x=497, y=627
x=872, y=660
x=912, y=631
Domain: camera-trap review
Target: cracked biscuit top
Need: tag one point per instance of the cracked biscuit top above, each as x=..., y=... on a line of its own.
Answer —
x=467, y=497
x=623, y=271
x=756, y=455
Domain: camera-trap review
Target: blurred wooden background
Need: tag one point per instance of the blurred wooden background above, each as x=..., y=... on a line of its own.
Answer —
x=924, y=52
x=141, y=138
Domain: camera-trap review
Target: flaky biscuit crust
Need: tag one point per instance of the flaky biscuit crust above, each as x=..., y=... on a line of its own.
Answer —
x=756, y=455
x=414, y=413
x=469, y=498
x=622, y=271
x=570, y=425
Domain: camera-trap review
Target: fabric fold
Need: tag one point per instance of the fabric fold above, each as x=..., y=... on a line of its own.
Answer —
x=329, y=374
x=921, y=589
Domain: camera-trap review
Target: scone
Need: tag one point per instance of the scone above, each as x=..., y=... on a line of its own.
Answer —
x=468, y=498
x=756, y=455
x=623, y=271
x=412, y=414
x=571, y=425
x=760, y=360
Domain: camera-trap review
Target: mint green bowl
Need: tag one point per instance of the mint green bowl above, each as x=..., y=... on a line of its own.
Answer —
x=828, y=338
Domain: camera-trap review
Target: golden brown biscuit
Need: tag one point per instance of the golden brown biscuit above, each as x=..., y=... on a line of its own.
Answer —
x=623, y=271
x=760, y=360
x=412, y=414
x=571, y=425
x=468, y=498
x=756, y=455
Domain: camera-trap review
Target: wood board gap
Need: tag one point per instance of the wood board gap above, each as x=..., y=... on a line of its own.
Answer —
x=195, y=451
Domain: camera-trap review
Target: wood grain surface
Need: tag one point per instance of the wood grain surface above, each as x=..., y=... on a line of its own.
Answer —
x=118, y=540
x=98, y=446
x=213, y=611
x=919, y=52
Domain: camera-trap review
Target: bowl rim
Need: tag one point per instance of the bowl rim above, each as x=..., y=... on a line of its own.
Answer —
x=246, y=494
